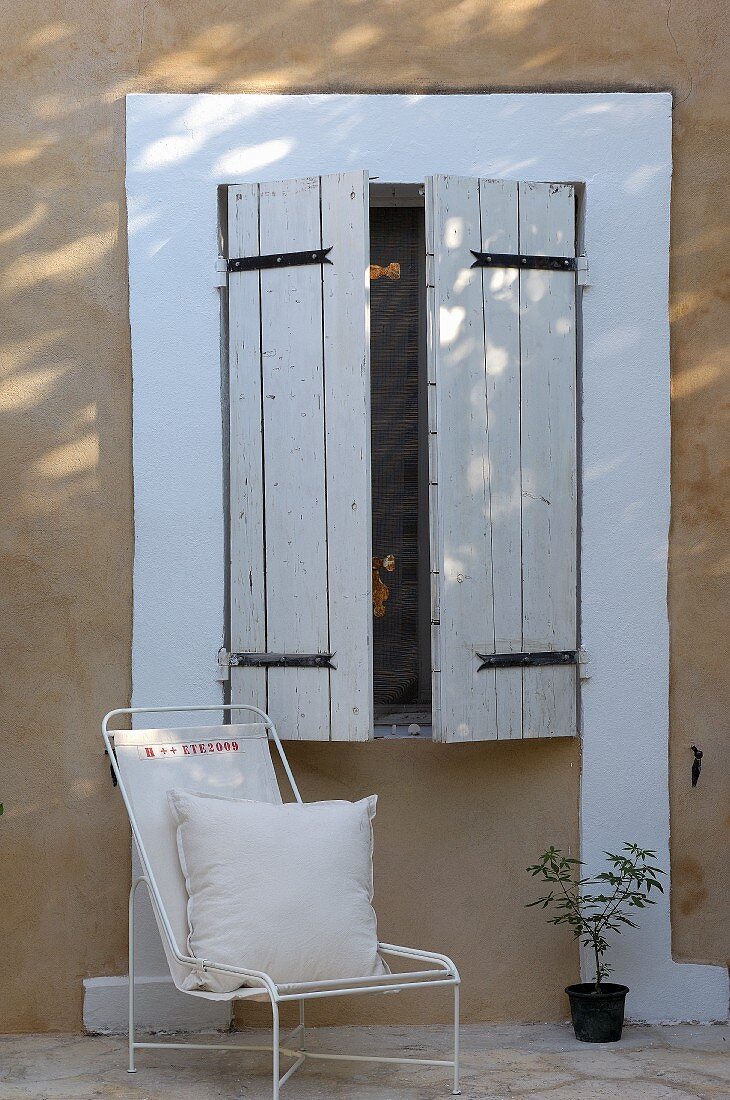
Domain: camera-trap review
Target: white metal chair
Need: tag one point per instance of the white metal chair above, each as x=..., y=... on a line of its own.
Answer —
x=204, y=758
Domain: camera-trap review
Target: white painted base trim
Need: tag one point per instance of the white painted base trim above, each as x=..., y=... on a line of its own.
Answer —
x=691, y=993
x=158, y=1006
x=671, y=992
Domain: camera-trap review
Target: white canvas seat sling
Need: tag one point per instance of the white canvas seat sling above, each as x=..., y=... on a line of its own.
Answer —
x=244, y=772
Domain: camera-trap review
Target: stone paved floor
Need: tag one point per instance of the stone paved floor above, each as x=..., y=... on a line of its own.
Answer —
x=542, y=1062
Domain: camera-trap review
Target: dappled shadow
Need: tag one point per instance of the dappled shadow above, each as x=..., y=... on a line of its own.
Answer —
x=65, y=387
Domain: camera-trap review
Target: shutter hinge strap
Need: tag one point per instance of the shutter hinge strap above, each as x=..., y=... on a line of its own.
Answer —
x=275, y=660
x=533, y=263
x=579, y=264
x=526, y=660
x=279, y=259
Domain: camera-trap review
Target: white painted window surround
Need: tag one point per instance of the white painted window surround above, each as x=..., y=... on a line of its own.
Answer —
x=180, y=148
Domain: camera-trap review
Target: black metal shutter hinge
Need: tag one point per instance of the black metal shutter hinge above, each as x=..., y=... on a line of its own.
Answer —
x=578, y=264
x=527, y=660
x=228, y=660
x=279, y=259
x=534, y=263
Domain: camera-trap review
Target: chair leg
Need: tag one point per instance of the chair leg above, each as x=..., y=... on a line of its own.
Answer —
x=275, y=1050
x=302, y=1032
x=456, y=1089
x=132, y=1068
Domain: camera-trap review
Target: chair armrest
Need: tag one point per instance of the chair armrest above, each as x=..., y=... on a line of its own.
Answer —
x=443, y=961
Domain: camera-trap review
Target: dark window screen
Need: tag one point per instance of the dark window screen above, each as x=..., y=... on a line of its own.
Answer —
x=396, y=235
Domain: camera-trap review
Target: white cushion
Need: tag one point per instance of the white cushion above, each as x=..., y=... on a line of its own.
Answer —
x=283, y=889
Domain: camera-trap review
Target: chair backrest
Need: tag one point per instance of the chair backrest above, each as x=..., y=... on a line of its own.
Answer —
x=232, y=760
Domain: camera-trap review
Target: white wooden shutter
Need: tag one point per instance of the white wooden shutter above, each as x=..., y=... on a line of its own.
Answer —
x=300, y=447
x=502, y=388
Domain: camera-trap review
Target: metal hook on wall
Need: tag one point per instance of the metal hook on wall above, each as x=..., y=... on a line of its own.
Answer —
x=696, y=764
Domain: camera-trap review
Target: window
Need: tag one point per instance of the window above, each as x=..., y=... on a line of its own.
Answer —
x=428, y=417
x=399, y=457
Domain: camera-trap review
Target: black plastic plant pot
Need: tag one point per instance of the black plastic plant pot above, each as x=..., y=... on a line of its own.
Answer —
x=597, y=1017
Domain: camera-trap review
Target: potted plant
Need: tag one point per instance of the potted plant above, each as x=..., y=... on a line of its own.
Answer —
x=593, y=907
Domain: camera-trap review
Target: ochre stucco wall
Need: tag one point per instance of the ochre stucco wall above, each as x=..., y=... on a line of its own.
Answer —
x=66, y=542
x=455, y=829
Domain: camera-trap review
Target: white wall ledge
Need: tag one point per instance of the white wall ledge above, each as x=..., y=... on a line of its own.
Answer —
x=158, y=1006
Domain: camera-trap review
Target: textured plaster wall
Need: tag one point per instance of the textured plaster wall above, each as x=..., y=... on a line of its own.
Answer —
x=450, y=836
x=66, y=539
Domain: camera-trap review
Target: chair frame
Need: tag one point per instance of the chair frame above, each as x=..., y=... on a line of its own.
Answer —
x=438, y=969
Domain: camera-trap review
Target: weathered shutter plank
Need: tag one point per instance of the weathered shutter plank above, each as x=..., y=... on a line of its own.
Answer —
x=500, y=287
x=294, y=468
x=346, y=290
x=248, y=610
x=434, y=530
x=548, y=413
x=464, y=555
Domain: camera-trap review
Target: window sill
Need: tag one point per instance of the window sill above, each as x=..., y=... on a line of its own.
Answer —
x=399, y=731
